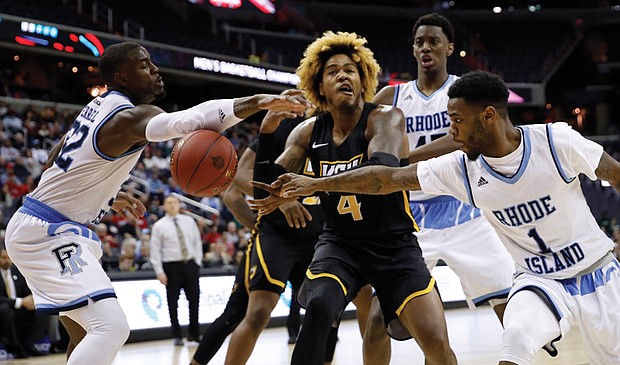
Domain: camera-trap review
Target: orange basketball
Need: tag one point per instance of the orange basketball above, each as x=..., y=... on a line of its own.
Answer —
x=203, y=163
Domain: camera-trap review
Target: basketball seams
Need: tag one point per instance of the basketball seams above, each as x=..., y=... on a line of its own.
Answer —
x=204, y=155
x=201, y=169
x=233, y=156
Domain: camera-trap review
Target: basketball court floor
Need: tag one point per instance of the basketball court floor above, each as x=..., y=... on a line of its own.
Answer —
x=475, y=336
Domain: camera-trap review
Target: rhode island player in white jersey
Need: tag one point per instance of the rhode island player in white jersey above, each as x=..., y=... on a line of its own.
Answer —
x=49, y=238
x=526, y=181
x=450, y=230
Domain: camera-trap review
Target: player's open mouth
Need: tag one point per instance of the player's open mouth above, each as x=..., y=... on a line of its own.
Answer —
x=346, y=89
x=427, y=61
x=159, y=81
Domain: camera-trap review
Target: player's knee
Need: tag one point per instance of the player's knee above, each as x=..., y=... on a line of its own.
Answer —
x=320, y=309
x=375, y=328
x=517, y=345
x=258, y=316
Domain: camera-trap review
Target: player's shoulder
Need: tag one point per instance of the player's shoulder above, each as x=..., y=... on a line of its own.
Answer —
x=385, y=95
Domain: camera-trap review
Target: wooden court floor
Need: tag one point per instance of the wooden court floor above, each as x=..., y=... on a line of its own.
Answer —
x=475, y=336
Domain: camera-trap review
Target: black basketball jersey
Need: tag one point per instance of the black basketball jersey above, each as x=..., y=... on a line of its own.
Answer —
x=276, y=219
x=357, y=216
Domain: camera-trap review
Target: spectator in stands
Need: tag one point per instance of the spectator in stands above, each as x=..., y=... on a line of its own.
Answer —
x=7, y=151
x=231, y=237
x=218, y=254
x=12, y=122
x=143, y=250
x=20, y=170
x=126, y=263
x=157, y=160
x=18, y=320
x=34, y=167
x=176, y=256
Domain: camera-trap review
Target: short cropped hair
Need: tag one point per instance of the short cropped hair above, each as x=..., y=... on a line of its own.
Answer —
x=482, y=88
x=310, y=70
x=436, y=20
x=113, y=56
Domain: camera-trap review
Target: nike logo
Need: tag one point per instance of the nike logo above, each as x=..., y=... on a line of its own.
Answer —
x=317, y=145
x=262, y=162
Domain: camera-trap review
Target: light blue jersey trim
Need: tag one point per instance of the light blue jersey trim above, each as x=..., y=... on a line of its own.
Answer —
x=466, y=181
x=444, y=85
x=40, y=210
x=58, y=223
x=495, y=295
x=527, y=152
x=396, y=92
x=442, y=212
x=114, y=92
x=556, y=160
x=108, y=117
x=77, y=303
x=588, y=283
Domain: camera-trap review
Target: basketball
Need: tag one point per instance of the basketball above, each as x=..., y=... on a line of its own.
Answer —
x=203, y=163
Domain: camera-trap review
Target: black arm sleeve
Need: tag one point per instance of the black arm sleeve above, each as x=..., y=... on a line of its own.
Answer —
x=265, y=168
x=381, y=158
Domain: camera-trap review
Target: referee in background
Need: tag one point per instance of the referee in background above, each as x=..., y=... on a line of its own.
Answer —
x=176, y=256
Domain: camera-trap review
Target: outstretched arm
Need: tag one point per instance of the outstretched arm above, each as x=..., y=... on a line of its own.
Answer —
x=436, y=148
x=609, y=169
x=374, y=180
x=136, y=126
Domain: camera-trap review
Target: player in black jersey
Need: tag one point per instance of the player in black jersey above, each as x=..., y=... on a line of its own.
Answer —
x=366, y=239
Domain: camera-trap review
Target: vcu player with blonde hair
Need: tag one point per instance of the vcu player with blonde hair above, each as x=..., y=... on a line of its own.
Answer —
x=366, y=239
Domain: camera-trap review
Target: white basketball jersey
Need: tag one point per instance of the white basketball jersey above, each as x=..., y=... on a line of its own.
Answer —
x=540, y=212
x=83, y=182
x=426, y=117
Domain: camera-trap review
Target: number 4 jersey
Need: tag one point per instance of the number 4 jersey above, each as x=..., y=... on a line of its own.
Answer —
x=83, y=182
x=532, y=197
x=355, y=215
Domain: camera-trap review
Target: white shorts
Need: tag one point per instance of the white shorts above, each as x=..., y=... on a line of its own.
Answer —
x=589, y=302
x=58, y=258
x=477, y=256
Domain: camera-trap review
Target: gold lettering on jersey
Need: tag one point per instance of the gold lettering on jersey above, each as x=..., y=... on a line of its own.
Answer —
x=330, y=168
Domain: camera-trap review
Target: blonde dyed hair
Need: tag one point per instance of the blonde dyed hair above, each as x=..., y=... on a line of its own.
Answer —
x=310, y=70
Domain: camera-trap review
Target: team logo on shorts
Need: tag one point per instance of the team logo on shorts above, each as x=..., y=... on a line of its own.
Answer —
x=252, y=272
x=69, y=258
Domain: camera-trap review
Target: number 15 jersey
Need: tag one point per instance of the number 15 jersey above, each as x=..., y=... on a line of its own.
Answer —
x=83, y=181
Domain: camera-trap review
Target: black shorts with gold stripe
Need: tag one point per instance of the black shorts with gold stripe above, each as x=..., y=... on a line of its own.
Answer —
x=278, y=256
x=394, y=266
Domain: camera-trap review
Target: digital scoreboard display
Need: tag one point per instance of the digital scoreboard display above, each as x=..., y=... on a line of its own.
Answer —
x=45, y=35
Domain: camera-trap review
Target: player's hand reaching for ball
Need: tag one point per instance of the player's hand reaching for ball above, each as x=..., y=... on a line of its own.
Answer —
x=291, y=101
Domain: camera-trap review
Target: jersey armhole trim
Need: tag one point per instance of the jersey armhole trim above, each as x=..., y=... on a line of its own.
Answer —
x=117, y=110
x=470, y=194
x=556, y=159
x=396, y=92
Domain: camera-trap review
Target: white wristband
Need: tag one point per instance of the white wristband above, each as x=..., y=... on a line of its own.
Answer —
x=216, y=115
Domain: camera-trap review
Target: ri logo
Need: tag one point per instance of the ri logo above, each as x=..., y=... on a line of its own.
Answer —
x=69, y=258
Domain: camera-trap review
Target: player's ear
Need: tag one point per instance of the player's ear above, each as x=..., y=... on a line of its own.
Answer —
x=120, y=79
x=450, y=49
x=489, y=114
x=321, y=91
